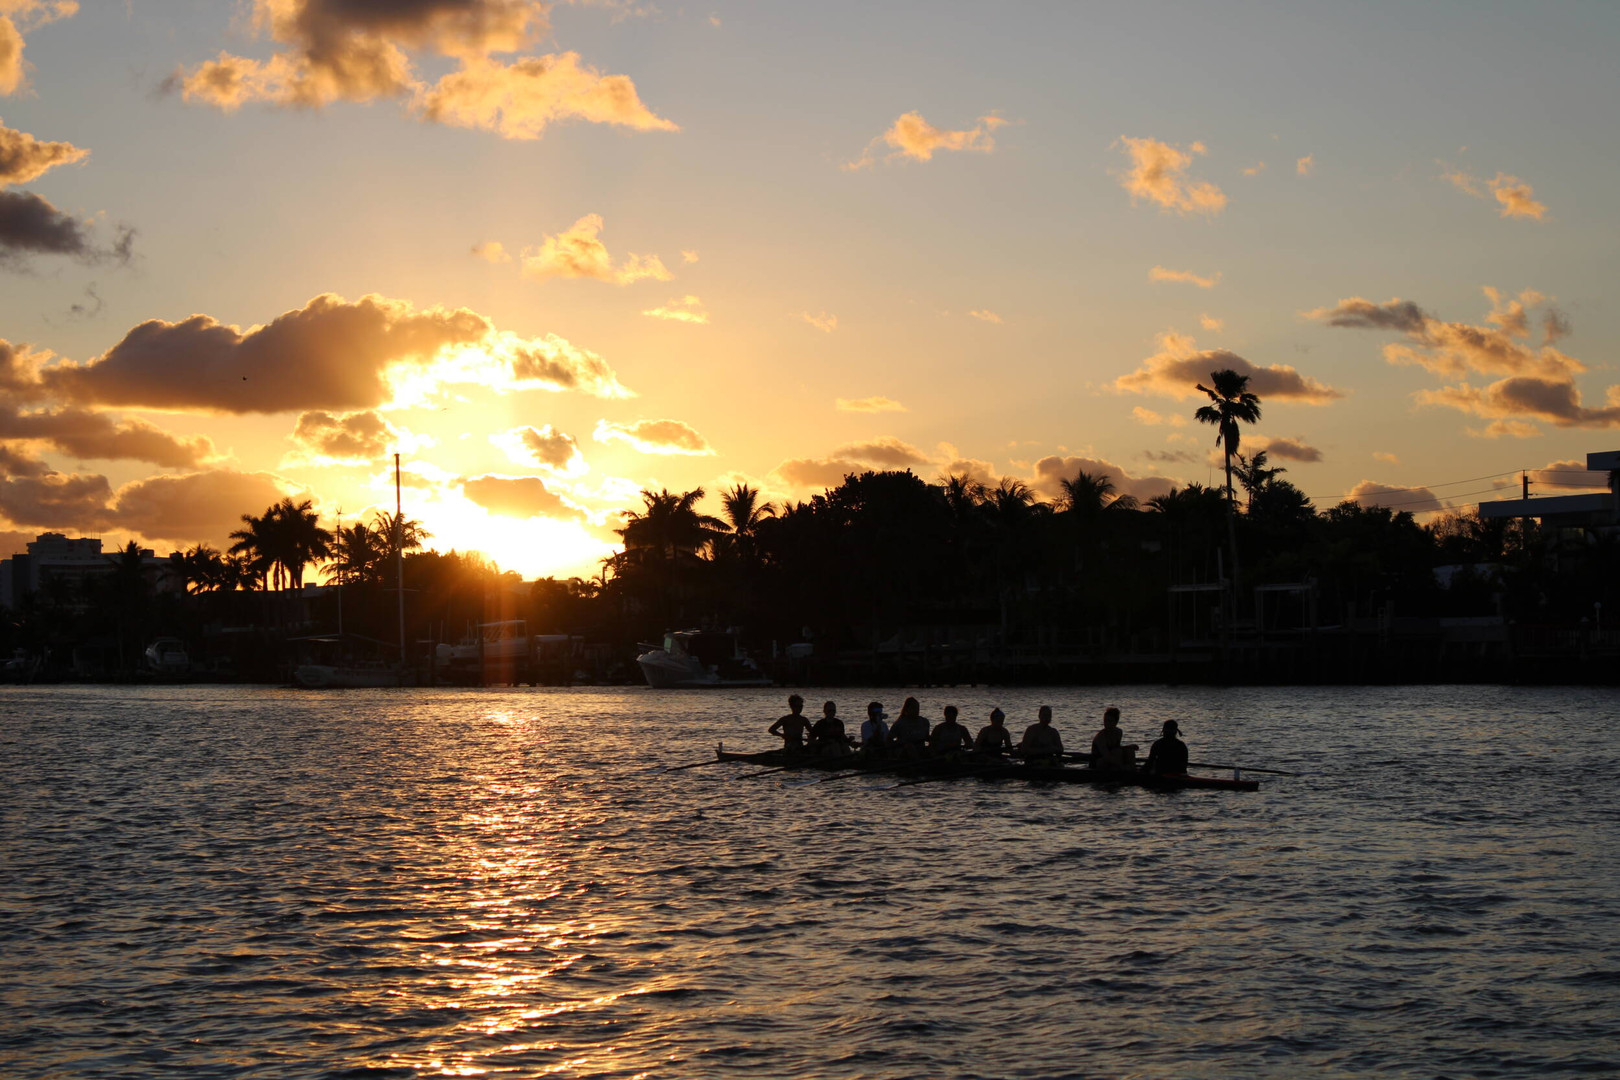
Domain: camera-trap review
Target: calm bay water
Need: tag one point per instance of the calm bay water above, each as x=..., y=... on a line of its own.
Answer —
x=258, y=883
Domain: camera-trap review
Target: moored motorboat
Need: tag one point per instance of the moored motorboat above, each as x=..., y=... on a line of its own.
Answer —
x=697, y=660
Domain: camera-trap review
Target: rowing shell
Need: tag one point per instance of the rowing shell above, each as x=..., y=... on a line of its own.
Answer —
x=988, y=768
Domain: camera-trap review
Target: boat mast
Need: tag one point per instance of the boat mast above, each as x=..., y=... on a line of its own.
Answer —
x=399, y=566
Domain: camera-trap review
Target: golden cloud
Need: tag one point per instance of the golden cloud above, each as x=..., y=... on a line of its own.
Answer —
x=520, y=100
x=330, y=354
x=200, y=507
x=188, y=508
x=912, y=137
x=655, y=436
x=1158, y=173
x=492, y=251
x=1539, y=382
x=334, y=50
x=1516, y=198
x=23, y=157
x=17, y=18
x=91, y=435
x=1177, y=369
x=1256, y=169
x=1210, y=322
x=824, y=322
x=1305, y=165
x=687, y=309
x=1159, y=273
x=519, y=497
x=887, y=452
x=577, y=252
x=985, y=315
x=350, y=438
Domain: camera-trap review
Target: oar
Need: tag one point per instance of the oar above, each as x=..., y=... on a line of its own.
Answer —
x=1244, y=768
x=695, y=765
x=766, y=772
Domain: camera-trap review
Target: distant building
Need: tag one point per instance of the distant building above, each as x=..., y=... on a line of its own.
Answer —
x=1596, y=512
x=57, y=556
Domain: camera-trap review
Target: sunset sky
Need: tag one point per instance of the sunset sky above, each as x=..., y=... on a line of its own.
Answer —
x=558, y=253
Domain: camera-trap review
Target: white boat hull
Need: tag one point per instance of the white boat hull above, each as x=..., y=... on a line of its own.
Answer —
x=666, y=672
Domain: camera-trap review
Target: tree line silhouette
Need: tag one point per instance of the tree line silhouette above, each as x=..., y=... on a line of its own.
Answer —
x=880, y=560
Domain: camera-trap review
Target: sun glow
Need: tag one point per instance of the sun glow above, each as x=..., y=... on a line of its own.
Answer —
x=533, y=547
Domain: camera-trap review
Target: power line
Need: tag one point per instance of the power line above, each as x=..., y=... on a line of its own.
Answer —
x=1533, y=473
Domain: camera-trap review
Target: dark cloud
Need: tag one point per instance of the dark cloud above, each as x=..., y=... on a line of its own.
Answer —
x=1179, y=367
x=1413, y=500
x=329, y=354
x=1396, y=314
x=1555, y=400
x=1173, y=457
x=353, y=437
x=1051, y=471
x=85, y=435
x=543, y=446
x=52, y=500
x=889, y=452
x=518, y=496
x=1291, y=449
x=196, y=507
x=14, y=464
x=30, y=224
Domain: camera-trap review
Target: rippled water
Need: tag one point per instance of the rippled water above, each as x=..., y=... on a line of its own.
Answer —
x=238, y=882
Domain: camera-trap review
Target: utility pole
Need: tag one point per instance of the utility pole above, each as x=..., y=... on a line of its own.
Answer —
x=399, y=566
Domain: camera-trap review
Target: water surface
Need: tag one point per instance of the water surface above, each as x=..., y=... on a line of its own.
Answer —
x=243, y=882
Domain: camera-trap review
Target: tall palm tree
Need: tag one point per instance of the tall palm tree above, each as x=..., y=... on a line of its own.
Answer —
x=1231, y=403
x=254, y=547
x=358, y=553
x=670, y=525
x=744, y=512
x=300, y=538
x=282, y=542
x=411, y=534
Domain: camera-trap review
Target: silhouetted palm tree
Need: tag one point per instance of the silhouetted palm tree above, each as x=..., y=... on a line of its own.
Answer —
x=1254, y=475
x=358, y=553
x=670, y=525
x=282, y=542
x=744, y=512
x=1231, y=404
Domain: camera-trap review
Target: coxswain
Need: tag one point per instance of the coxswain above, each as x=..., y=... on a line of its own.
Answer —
x=909, y=732
x=949, y=737
x=1041, y=743
x=1168, y=755
x=874, y=732
x=994, y=738
x=792, y=726
x=1109, y=750
x=827, y=737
